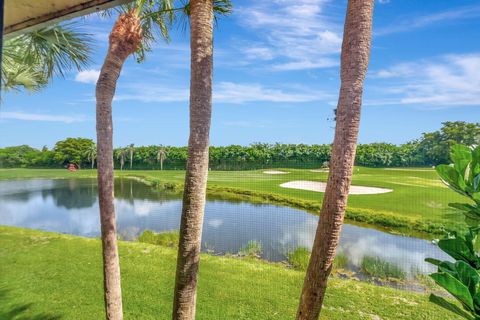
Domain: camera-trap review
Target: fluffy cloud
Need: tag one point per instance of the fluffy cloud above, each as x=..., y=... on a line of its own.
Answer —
x=88, y=76
x=452, y=80
x=297, y=35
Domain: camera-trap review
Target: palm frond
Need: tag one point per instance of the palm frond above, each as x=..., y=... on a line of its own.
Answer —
x=32, y=59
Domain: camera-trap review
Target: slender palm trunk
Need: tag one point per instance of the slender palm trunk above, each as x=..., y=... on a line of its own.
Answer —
x=124, y=40
x=354, y=63
x=201, y=44
x=131, y=159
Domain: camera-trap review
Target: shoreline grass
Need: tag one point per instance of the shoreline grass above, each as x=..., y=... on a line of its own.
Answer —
x=381, y=269
x=59, y=275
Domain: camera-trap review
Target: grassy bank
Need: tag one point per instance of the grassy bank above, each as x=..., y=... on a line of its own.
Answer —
x=417, y=206
x=52, y=276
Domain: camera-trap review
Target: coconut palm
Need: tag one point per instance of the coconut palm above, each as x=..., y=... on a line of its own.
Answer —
x=131, y=151
x=138, y=25
x=32, y=59
x=161, y=156
x=201, y=64
x=91, y=154
x=354, y=63
x=121, y=156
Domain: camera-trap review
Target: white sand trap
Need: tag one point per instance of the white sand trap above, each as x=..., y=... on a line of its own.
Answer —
x=319, y=170
x=275, y=172
x=320, y=187
x=411, y=170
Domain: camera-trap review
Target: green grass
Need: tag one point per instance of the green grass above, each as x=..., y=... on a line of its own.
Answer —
x=252, y=249
x=299, y=258
x=46, y=275
x=341, y=261
x=166, y=238
x=378, y=268
x=418, y=205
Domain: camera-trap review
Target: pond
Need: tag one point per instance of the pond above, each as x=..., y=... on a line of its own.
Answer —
x=71, y=206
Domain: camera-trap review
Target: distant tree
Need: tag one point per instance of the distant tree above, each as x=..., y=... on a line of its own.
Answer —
x=131, y=151
x=161, y=156
x=121, y=155
x=73, y=150
x=435, y=146
x=91, y=154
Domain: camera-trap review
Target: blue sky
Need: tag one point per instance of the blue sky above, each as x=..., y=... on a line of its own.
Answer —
x=276, y=78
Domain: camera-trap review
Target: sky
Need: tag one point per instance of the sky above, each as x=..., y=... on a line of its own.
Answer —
x=276, y=78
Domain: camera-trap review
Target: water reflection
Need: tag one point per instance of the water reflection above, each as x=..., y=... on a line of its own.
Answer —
x=71, y=206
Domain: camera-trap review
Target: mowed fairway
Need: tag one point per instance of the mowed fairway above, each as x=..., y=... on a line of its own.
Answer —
x=417, y=205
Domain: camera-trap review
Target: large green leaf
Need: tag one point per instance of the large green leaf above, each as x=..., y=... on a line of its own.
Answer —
x=458, y=249
x=450, y=306
x=450, y=177
x=455, y=288
x=468, y=276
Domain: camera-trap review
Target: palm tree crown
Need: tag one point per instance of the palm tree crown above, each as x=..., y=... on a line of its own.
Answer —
x=32, y=59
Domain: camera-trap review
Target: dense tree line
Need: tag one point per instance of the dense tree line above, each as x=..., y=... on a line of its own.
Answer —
x=431, y=149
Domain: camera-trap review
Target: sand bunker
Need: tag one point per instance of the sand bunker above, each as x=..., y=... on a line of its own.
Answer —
x=319, y=170
x=320, y=187
x=412, y=170
x=275, y=172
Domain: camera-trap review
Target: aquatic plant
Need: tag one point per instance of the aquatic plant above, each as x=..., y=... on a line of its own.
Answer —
x=252, y=249
x=378, y=268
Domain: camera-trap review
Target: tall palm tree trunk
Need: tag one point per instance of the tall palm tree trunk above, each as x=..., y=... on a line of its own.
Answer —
x=354, y=63
x=201, y=44
x=124, y=40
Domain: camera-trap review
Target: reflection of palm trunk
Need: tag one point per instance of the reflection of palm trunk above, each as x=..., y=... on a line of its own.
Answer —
x=124, y=39
x=355, y=58
x=201, y=44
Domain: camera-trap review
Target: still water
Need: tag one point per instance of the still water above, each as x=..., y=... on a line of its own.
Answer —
x=71, y=206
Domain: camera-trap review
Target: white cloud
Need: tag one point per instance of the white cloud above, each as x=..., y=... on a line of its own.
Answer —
x=223, y=92
x=453, y=80
x=88, y=76
x=465, y=12
x=297, y=35
x=259, y=53
x=229, y=92
x=383, y=1
x=40, y=117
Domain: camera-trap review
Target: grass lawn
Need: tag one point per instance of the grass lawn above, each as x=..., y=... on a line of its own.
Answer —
x=52, y=276
x=417, y=206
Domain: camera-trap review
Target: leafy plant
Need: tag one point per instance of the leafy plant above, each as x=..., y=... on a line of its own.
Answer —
x=252, y=249
x=461, y=278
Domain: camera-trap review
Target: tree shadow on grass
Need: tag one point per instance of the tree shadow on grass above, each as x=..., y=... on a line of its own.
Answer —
x=20, y=311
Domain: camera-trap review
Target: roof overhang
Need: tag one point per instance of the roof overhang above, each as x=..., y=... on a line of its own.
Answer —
x=27, y=15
